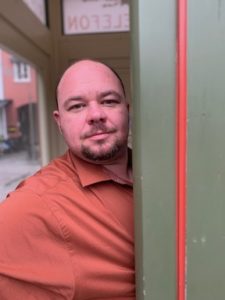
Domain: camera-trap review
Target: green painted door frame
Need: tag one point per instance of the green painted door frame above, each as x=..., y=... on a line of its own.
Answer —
x=206, y=151
x=153, y=55
x=153, y=45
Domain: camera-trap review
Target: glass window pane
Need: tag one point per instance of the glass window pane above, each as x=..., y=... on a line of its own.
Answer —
x=19, y=135
x=38, y=8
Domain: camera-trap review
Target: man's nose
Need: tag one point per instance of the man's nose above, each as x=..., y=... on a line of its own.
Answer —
x=96, y=114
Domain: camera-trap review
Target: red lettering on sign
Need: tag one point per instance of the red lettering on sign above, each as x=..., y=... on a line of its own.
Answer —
x=84, y=22
x=72, y=23
x=119, y=22
x=95, y=19
x=107, y=22
x=96, y=23
x=126, y=24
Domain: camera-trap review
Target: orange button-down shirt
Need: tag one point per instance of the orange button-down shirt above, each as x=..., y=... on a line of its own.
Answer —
x=67, y=233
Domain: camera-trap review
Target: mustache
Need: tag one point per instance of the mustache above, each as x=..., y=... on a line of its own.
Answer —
x=96, y=128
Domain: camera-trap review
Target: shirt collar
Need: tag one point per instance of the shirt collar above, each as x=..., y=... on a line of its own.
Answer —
x=89, y=173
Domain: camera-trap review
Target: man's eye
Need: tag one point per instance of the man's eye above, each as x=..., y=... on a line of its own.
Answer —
x=110, y=102
x=77, y=106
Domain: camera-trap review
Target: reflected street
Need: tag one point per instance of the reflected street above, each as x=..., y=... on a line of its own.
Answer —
x=14, y=167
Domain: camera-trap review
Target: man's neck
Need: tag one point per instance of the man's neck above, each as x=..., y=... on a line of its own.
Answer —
x=121, y=168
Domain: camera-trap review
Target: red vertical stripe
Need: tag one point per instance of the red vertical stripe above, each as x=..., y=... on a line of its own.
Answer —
x=181, y=145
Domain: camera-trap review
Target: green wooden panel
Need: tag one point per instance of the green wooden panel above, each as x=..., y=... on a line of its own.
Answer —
x=206, y=150
x=153, y=50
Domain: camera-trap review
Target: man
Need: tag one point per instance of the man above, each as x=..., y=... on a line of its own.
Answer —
x=67, y=231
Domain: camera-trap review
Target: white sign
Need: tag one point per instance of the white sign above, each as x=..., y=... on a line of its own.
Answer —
x=93, y=16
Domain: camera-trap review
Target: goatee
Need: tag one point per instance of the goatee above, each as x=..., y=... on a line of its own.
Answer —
x=101, y=155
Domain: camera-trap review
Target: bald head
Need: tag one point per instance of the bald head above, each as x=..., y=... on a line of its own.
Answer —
x=86, y=64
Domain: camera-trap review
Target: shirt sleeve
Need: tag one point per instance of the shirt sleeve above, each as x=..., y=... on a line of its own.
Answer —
x=34, y=260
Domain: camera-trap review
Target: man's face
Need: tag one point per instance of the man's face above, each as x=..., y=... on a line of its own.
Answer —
x=93, y=112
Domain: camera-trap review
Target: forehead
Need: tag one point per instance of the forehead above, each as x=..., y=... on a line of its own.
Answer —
x=87, y=76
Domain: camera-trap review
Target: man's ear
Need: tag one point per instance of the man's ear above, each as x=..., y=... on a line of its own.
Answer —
x=56, y=117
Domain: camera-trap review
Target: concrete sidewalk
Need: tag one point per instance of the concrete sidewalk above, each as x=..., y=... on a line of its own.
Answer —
x=14, y=167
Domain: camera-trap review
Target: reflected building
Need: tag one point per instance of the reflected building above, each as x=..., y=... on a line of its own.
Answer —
x=18, y=106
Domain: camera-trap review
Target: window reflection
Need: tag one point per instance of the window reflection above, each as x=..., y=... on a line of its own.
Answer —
x=19, y=137
x=21, y=71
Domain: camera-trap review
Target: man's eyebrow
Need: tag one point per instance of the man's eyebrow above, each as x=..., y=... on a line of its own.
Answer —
x=111, y=92
x=73, y=98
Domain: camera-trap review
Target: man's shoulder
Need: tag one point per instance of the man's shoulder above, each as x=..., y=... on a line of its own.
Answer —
x=53, y=176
